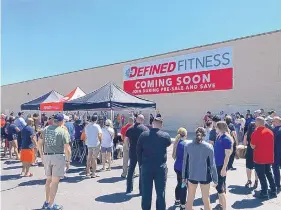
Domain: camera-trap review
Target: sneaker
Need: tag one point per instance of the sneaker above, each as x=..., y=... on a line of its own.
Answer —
x=273, y=194
x=182, y=207
x=45, y=205
x=55, y=207
x=218, y=207
x=177, y=203
x=261, y=195
x=123, y=176
x=95, y=175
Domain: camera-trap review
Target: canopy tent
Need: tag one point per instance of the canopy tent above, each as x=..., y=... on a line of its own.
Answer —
x=58, y=105
x=35, y=104
x=109, y=96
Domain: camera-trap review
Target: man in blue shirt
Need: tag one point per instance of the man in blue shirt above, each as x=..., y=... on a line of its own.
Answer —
x=277, y=151
x=28, y=144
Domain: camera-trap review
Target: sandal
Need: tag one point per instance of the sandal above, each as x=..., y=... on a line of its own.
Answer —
x=256, y=184
x=248, y=184
x=29, y=175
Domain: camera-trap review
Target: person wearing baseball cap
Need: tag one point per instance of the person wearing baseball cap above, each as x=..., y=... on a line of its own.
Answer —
x=55, y=152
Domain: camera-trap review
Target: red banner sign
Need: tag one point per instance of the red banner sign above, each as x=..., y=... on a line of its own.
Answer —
x=190, y=82
x=203, y=71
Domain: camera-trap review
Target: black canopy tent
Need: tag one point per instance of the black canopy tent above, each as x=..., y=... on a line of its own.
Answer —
x=110, y=97
x=52, y=96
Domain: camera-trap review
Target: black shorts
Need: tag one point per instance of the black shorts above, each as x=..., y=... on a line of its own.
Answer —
x=200, y=182
x=208, y=179
x=221, y=187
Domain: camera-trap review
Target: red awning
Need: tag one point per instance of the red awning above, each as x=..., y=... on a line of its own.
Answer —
x=58, y=105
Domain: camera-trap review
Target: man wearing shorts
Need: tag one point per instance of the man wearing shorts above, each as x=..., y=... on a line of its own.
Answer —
x=27, y=153
x=93, y=134
x=55, y=152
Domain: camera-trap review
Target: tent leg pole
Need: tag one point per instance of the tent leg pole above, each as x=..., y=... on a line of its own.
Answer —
x=111, y=115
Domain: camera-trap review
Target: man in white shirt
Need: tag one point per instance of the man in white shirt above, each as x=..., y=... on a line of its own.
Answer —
x=93, y=138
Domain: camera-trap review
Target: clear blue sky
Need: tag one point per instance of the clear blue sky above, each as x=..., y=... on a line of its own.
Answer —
x=47, y=37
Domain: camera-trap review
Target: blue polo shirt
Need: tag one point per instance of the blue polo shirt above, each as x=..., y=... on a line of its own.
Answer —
x=222, y=143
x=27, y=133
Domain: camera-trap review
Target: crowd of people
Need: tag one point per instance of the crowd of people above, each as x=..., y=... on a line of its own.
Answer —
x=202, y=160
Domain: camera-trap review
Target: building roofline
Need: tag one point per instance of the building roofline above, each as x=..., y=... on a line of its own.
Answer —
x=137, y=59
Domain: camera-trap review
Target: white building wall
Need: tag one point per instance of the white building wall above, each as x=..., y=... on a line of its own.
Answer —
x=257, y=83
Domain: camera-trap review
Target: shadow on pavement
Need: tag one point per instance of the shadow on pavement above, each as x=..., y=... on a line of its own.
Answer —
x=247, y=204
x=116, y=167
x=73, y=179
x=33, y=182
x=9, y=162
x=75, y=170
x=12, y=167
x=115, y=198
x=110, y=180
x=199, y=201
x=239, y=190
x=10, y=177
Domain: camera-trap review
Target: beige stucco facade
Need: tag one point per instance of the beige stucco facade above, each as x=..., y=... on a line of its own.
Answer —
x=257, y=83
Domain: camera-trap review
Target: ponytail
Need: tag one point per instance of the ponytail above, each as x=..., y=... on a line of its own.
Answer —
x=182, y=132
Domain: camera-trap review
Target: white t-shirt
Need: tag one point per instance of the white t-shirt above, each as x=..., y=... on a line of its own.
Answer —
x=92, y=130
x=107, y=137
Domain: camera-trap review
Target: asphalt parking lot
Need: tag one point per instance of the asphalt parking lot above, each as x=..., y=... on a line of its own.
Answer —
x=108, y=191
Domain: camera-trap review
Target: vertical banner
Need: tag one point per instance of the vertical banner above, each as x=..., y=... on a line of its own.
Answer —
x=201, y=71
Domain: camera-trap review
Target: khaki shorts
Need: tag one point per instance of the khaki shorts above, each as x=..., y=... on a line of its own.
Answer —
x=94, y=152
x=54, y=165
